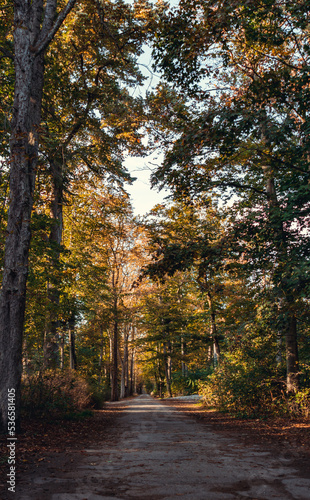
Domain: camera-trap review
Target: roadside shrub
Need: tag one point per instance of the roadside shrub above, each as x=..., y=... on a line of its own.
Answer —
x=54, y=393
x=99, y=393
x=189, y=384
x=149, y=386
x=304, y=374
x=299, y=404
x=245, y=387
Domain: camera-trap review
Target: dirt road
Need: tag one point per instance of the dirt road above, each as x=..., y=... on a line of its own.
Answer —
x=159, y=453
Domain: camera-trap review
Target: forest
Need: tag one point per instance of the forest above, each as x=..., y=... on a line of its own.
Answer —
x=206, y=294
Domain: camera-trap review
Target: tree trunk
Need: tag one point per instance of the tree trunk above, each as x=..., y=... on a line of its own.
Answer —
x=209, y=356
x=114, y=371
x=110, y=357
x=62, y=351
x=213, y=332
x=26, y=361
x=279, y=356
x=216, y=351
x=183, y=353
x=291, y=343
x=72, y=352
x=292, y=365
x=131, y=383
x=51, y=336
x=125, y=364
x=169, y=360
x=101, y=355
x=24, y=150
x=31, y=38
x=131, y=365
x=124, y=361
x=168, y=379
x=122, y=392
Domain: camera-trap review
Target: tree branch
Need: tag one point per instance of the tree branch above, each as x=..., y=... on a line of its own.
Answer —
x=240, y=186
x=46, y=38
x=6, y=53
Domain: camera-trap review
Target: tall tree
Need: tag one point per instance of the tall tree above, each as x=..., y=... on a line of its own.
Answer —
x=248, y=134
x=191, y=236
x=35, y=25
x=173, y=329
x=103, y=60
x=105, y=259
x=94, y=62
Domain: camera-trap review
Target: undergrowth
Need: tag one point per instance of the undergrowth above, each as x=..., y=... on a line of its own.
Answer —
x=54, y=394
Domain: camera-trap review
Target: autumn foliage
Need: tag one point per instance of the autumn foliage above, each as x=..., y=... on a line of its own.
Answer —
x=210, y=290
x=53, y=394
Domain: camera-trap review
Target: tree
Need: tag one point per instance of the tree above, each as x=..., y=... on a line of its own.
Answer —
x=36, y=24
x=91, y=64
x=105, y=252
x=191, y=236
x=91, y=120
x=248, y=134
x=174, y=336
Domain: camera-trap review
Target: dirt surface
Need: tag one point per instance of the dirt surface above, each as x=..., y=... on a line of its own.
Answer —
x=283, y=434
x=146, y=449
x=47, y=446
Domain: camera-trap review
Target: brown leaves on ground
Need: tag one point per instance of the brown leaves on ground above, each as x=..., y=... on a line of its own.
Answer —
x=59, y=443
x=288, y=435
x=41, y=438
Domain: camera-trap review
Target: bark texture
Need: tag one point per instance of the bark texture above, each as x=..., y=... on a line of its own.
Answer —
x=114, y=365
x=34, y=28
x=167, y=355
x=291, y=341
x=51, y=336
x=213, y=332
x=292, y=365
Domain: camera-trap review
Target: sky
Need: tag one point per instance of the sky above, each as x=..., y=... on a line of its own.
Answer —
x=142, y=196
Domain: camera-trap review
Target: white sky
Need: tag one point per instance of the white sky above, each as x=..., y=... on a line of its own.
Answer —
x=142, y=196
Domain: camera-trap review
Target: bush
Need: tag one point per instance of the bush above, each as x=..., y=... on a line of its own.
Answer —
x=244, y=387
x=54, y=393
x=299, y=404
x=189, y=384
x=98, y=395
x=149, y=386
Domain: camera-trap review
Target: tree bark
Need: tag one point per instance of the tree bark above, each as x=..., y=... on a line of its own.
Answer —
x=114, y=373
x=51, y=336
x=291, y=342
x=168, y=378
x=101, y=354
x=62, y=351
x=216, y=351
x=213, y=332
x=125, y=375
x=183, y=354
x=131, y=374
x=26, y=119
x=292, y=365
x=31, y=38
x=72, y=357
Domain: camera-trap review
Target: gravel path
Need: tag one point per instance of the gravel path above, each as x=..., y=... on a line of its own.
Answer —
x=156, y=452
